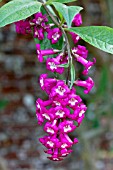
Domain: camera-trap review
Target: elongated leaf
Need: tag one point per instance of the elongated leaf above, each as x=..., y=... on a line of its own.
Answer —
x=17, y=10
x=98, y=36
x=72, y=75
x=61, y=1
x=68, y=12
x=64, y=65
x=64, y=1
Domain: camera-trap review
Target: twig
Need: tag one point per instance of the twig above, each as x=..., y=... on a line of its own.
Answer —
x=65, y=36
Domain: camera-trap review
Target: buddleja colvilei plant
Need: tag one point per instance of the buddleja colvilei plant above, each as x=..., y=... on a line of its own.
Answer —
x=58, y=25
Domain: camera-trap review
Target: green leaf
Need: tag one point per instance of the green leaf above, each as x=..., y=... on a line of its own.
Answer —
x=3, y=103
x=68, y=12
x=72, y=75
x=17, y=10
x=64, y=65
x=61, y=1
x=98, y=36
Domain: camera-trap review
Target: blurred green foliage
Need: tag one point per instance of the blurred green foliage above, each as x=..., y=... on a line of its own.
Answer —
x=3, y=104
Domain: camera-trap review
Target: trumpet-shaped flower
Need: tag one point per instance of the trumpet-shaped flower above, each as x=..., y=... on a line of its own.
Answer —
x=88, y=84
x=54, y=35
x=42, y=53
x=67, y=126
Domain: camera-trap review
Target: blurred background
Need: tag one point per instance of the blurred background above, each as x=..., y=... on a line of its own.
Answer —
x=19, y=89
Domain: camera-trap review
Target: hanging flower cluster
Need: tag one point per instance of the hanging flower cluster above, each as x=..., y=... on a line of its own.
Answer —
x=64, y=108
x=60, y=120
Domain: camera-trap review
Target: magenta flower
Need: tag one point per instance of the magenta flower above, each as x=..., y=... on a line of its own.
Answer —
x=51, y=128
x=83, y=61
x=50, y=142
x=88, y=65
x=75, y=37
x=78, y=114
x=41, y=80
x=46, y=113
x=39, y=18
x=42, y=53
x=45, y=27
x=44, y=139
x=54, y=35
x=61, y=148
x=49, y=151
x=88, y=84
x=55, y=157
x=56, y=102
x=39, y=105
x=81, y=51
x=66, y=126
x=75, y=141
x=58, y=148
x=58, y=154
x=47, y=83
x=55, y=152
x=79, y=121
x=39, y=33
x=42, y=103
x=23, y=27
x=66, y=142
x=61, y=112
x=61, y=90
x=59, y=102
x=39, y=118
x=52, y=65
x=39, y=25
x=77, y=21
x=73, y=100
x=41, y=112
x=65, y=152
x=62, y=58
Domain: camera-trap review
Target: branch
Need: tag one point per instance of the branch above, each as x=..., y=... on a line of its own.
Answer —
x=64, y=33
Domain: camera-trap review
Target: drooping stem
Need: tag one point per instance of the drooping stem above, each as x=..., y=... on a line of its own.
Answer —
x=65, y=36
x=49, y=13
x=56, y=22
